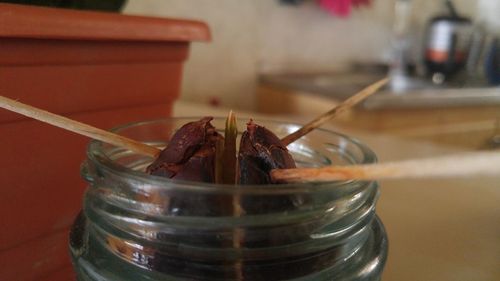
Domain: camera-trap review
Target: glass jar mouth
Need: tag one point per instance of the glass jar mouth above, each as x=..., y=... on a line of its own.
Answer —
x=101, y=160
x=220, y=231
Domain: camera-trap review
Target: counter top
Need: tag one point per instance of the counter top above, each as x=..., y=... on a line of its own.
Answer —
x=438, y=229
x=469, y=127
x=420, y=93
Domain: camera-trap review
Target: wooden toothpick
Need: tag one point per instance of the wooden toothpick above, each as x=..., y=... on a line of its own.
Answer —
x=472, y=164
x=77, y=127
x=347, y=104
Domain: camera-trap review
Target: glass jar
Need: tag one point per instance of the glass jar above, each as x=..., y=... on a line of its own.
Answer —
x=134, y=226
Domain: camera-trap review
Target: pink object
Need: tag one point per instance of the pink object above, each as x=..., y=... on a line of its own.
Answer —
x=337, y=7
x=342, y=8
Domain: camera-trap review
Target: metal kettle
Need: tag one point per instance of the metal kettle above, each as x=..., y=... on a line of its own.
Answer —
x=447, y=45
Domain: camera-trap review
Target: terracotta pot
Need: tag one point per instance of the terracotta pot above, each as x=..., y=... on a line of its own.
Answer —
x=103, y=69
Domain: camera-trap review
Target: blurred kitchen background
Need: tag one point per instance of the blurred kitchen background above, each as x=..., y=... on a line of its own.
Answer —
x=302, y=57
x=265, y=36
x=297, y=57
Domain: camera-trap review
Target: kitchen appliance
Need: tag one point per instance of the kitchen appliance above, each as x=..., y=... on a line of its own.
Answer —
x=447, y=44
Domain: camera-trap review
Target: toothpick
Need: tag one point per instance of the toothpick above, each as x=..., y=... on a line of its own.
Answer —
x=467, y=165
x=347, y=104
x=77, y=127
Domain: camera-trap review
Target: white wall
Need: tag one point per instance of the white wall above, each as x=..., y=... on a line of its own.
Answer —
x=255, y=36
x=224, y=68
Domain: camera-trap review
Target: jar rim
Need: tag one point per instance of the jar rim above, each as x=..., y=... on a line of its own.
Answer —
x=100, y=159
